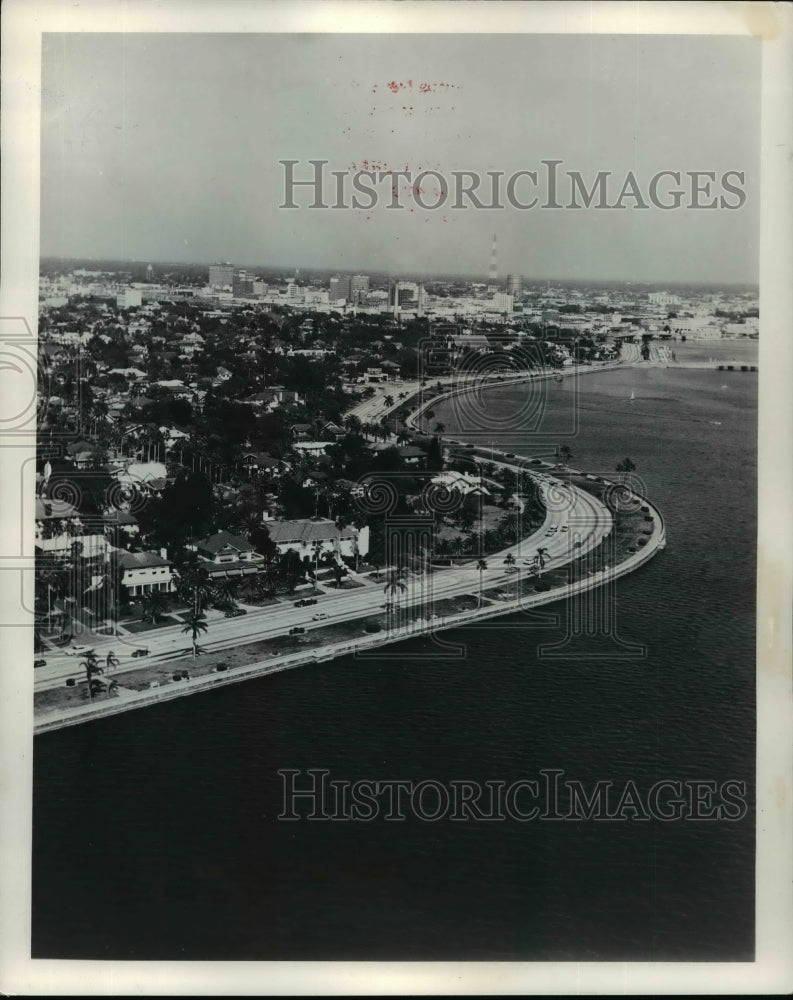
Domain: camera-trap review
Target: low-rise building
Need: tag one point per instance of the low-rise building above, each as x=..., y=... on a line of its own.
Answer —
x=304, y=534
x=463, y=482
x=311, y=447
x=225, y=555
x=143, y=573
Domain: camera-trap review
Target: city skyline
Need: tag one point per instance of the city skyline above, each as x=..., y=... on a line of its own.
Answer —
x=306, y=274
x=140, y=163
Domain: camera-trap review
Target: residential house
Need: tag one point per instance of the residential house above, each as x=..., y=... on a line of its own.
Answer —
x=332, y=430
x=224, y=555
x=463, y=482
x=311, y=447
x=302, y=432
x=271, y=398
x=412, y=456
x=143, y=573
x=261, y=462
x=303, y=534
x=121, y=523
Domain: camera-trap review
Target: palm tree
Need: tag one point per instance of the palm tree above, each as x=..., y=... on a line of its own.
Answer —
x=481, y=566
x=223, y=596
x=440, y=428
x=389, y=400
x=317, y=549
x=91, y=666
x=564, y=454
x=196, y=624
x=457, y=544
x=542, y=557
x=339, y=572
x=154, y=605
x=111, y=660
x=194, y=586
x=429, y=415
x=395, y=583
x=509, y=562
x=404, y=436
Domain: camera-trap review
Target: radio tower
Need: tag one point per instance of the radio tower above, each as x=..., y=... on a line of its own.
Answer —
x=494, y=261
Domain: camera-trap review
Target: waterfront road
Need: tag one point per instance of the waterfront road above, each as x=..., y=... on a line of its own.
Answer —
x=575, y=523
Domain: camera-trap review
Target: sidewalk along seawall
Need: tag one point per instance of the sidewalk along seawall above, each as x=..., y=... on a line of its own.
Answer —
x=178, y=689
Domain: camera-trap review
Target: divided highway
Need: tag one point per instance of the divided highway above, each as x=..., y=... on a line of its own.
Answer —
x=576, y=523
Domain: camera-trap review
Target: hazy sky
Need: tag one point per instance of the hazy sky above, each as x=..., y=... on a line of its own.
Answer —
x=167, y=147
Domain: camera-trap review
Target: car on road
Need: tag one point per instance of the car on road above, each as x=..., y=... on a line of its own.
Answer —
x=576, y=545
x=564, y=527
x=234, y=613
x=305, y=602
x=140, y=652
x=319, y=617
x=297, y=630
x=39, y=663
x=509, y=454
x=77, y=650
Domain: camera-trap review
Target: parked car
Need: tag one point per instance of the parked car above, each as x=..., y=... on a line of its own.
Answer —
x=319, y=617
x=77, y=650
x=39, y=663
x=297, y=630
x=140, y=652
x=305, y=602
x=234, y=613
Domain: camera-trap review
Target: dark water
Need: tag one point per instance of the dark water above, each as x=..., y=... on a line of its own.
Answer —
x=155, y=833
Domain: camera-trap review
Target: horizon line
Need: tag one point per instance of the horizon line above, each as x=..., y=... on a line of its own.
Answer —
x=438, y=275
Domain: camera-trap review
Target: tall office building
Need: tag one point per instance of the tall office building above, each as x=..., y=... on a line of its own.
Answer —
x=502, y=302
x=402, y=292
x=514, y=285
x=221, y=275
x=340, y=287
x=359, y=287
x=242, y=284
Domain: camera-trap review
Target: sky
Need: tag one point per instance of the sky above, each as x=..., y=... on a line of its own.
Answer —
x=167, y=147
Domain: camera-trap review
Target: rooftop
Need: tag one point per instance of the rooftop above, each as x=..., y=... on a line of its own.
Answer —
x=306, y=530
x=141, y=560
x=214, y=543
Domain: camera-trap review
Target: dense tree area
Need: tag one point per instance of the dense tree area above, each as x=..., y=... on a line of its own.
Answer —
x=186, y=508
